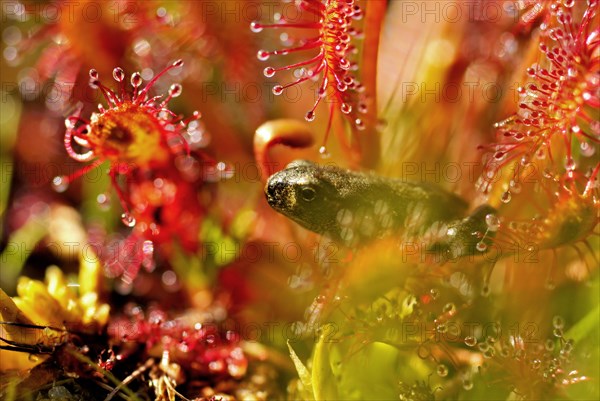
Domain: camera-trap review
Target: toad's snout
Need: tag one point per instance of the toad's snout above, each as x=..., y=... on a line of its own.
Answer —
x=278, y=193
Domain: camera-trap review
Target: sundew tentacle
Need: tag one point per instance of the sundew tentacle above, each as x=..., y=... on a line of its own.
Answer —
x=532, y=11
x=559, y=101
x=151, y=164
x=132, y=129
x=71, y=135
x=331, y=66
x=200, y=346
x=176, y=64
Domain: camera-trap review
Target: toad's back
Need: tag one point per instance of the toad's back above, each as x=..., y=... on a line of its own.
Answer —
x=355, y=207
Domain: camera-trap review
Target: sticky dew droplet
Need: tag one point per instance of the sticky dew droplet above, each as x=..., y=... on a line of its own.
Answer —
x=558, y=322
x=118, y=74
x=506, y=197
x=470, y=341
x=277, y=90
x=493, y=222
x=175, y=90
x=269, y=72
x=324, y=152
x=256, y=27
x=263, y=55
x=136, y=79
x=128, y=219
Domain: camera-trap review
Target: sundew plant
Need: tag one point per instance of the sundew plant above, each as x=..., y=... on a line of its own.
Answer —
x=218, y=200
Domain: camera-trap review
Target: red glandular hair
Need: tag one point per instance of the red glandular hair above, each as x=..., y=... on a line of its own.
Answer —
x=156, y=175
x=560, y=100
x=333, y=44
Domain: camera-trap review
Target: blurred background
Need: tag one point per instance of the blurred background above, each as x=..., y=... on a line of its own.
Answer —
x=314, y=320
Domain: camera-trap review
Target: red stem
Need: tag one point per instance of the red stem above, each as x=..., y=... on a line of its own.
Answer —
x=369, y=138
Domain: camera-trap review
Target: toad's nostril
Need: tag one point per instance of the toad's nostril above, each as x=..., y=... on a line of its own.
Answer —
x=274, y=187
x=274, y=191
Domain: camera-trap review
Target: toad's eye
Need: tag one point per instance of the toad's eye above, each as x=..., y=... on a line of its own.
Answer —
x=308, y=194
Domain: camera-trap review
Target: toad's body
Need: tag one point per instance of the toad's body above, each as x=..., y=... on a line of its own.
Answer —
x=353, y=207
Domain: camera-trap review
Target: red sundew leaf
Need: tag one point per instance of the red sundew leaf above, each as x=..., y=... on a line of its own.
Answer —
x=558, y=100
x=327, y=61
x=202, y=347
x=152, y=168
x=291, y=133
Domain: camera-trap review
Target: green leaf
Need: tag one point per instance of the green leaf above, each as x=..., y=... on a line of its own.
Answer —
x=323, y=379
x=20, y=245
x=219, y=248
x=304, y=374
x=585, y=326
